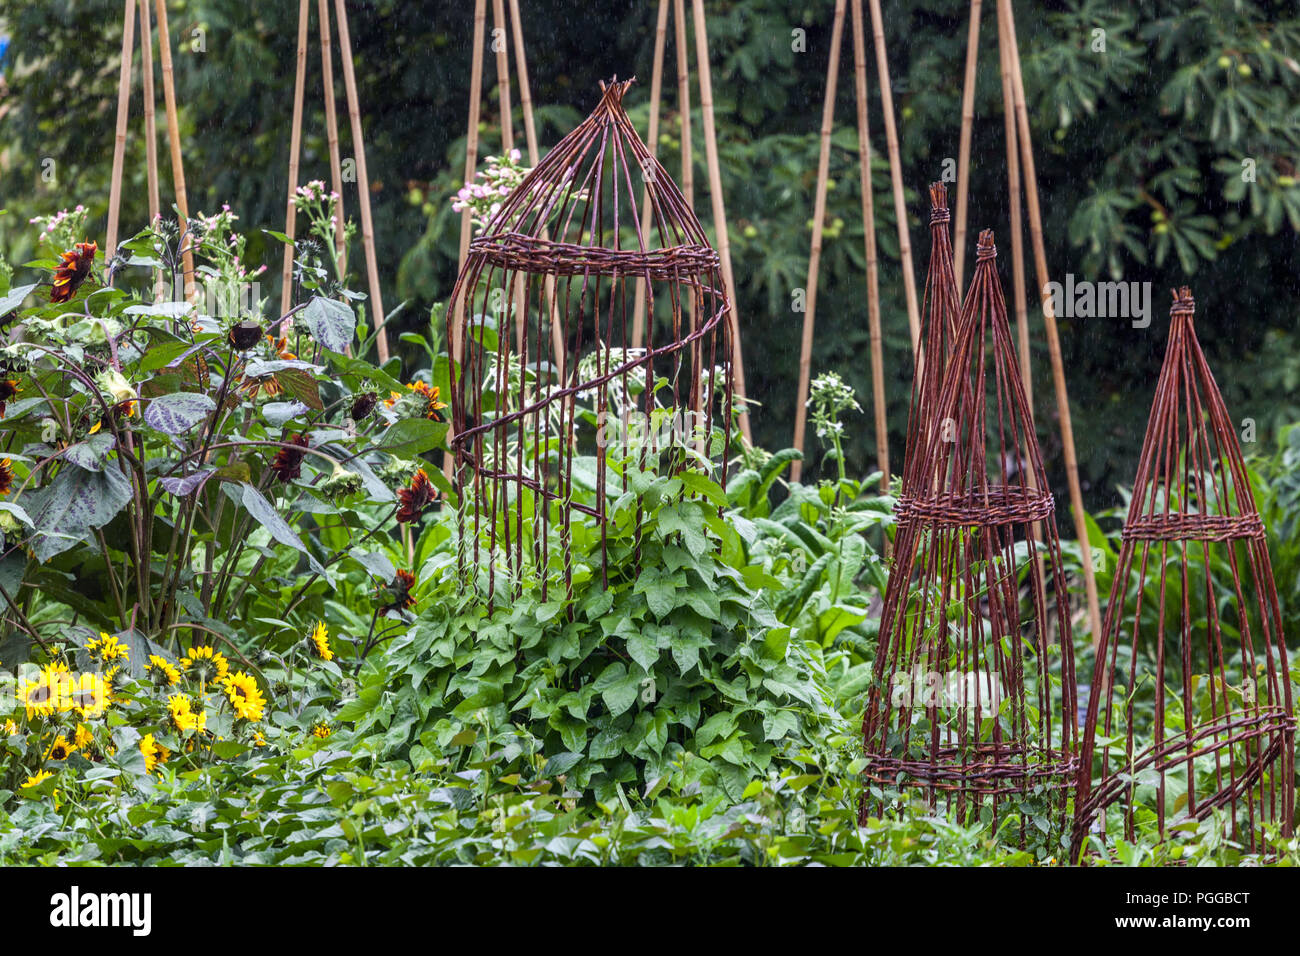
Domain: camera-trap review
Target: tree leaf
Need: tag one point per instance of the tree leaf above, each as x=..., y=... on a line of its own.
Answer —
x=91, y=453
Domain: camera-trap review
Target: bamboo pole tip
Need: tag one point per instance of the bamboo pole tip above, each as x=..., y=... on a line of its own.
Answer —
x=986, y=249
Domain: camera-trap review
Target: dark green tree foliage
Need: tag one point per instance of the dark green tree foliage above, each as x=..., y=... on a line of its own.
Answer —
x=1141, y=150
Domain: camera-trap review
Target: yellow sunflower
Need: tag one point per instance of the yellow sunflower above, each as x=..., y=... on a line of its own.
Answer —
x=245, y=697
x=37, y=779
x=154, y=752
x=107, y=648
x=89, y=694
x=206, y=664
x=321, y=730
x=60, y=749
x=8, y=729
x=37, y=696
x=320, y=641
x=83, y=738
x=184, y=716
x=161, y=671
x=259, y=740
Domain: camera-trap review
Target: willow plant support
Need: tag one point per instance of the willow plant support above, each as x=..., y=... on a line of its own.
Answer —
x=151, y=144
x=376, y=303
x=972, y=706
x=524, y=437
x=1020, y=166
x=1191, y=715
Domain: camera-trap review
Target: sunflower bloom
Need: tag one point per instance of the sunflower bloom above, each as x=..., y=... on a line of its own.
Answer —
x=74, y=267
x=37, y=696
x=6, y=476
x=161, y=672
x=60, y=749
x=430, y=395
x=415, y=497
x=320, y=730
x=320, y=642
x=8, y=728
x=245, y=697
x=184, y=717
x=287, y=463
x=88, y=694
x=9, y=390
x=154, y=752
x=37, y=779
x=398, y=592
x=206, y=664
x=106, y=648
x=83, y=738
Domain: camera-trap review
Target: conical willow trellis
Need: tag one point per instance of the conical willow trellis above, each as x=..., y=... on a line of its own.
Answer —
x=939, y=313
x=1192, y=664
x=567, y=247
x=973, y=697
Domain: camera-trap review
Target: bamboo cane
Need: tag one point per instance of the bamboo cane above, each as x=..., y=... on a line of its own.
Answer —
x=530, y=134
x=150, y=123
x=525, y=92
x=160, y=290
x=456, y=343
x=119, y=140
x=652, y=144
x=1053, y=338
x=896, y=177
x=1019, y=299
x=684, y=99
x=295, y=142
x=503, y=75
x=869, y=239
x=363, y=182
x=963, y=150
x=815, y=255
x=719, y=211
x=332, y=135
x=174, y=140
x=471, y=134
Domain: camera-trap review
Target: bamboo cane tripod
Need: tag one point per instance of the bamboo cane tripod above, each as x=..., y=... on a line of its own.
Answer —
x=868, y=221
x=688, y=179
x=1020, y=158
x=150, y=129
x=376, y=304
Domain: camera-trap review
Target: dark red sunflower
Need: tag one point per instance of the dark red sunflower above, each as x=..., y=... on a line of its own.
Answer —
x=9, y=389
x=415, y=497
x=6, y=476
x=363, y=406
x=73, y=268
x=398, y=593
x=244, y=335
x=287, y=464
x=430, y=394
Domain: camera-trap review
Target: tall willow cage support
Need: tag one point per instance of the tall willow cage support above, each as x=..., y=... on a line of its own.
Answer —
x=1190, y=714
x=561, y=259
x=972, y=705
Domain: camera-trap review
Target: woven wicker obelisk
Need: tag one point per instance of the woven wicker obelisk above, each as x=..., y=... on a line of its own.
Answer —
x=533, y=444
x=972, y=705
x=1191, y=715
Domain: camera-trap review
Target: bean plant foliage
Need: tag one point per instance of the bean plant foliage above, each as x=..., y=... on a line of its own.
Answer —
x=676, y=662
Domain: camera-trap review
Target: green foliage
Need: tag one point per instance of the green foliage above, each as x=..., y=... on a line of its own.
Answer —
x=675, y=662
